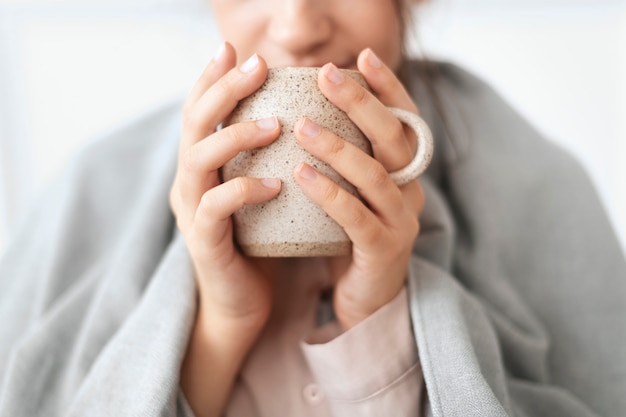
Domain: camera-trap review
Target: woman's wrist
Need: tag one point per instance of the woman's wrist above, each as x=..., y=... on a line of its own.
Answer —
x=352, y=308
x=228, y=331
x=215, y=352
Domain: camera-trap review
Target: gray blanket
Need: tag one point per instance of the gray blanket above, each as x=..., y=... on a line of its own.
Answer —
x=517, y=284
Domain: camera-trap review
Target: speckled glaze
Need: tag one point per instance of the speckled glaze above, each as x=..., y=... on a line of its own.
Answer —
x=291, y=224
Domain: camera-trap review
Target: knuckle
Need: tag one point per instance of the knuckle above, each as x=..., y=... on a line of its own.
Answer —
x=176, y=204
x=421, y=199
x=331, y=193
x=359, y=218
x=192, y=120
x=187, y=108
x=173, y=199
x=223, y=88
x=374, y=237
x=241, y=186
x=413, y=226
x=414, y=196
x=208, y=202
x=180, y=224
x=189, y=159
x=335, y=146
x=360, y=96
x=238, y=133
x=378, y=175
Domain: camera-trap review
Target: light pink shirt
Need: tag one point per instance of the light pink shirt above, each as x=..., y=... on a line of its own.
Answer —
x=299, y=368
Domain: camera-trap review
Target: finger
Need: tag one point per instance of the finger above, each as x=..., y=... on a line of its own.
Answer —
x=223, y=60
x=219, y=203
x=360, y=224
x=222, y=97
x=388, y=89
x=384, y=82
x=383, y=129
x=361, y=170
x=201, y=161
x=418, y=202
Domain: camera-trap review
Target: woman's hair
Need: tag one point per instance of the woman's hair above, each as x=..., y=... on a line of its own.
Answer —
x=427, y=71
x=405, y=17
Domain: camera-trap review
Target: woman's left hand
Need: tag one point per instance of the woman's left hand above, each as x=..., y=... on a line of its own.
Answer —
x=384, y=226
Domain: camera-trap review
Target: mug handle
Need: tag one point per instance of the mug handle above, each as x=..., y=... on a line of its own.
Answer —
x=425, y=147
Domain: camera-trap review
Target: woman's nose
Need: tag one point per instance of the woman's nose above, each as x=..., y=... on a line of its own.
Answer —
x=300, y=26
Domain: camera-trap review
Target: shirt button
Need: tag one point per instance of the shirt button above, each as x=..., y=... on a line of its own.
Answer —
x=313, y=394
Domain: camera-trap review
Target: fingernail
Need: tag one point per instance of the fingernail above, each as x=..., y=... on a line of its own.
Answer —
x=306, y=172
x=269, y=123
x=219, y=53
x=333, y=74
x=272, y=183
x=310, y=129
x=373, y=59
x=251, y=64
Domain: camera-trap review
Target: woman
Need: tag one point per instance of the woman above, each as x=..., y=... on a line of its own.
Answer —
x=494, y=303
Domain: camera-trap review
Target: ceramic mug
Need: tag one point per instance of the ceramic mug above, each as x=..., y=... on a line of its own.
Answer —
x=291, y=224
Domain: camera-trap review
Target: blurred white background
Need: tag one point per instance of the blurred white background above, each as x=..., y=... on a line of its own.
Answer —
x=71, y=69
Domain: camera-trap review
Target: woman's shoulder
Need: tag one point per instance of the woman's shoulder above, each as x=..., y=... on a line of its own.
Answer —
x=108, y=185
x=128, y=147
x=115, y=168
x=476, y=123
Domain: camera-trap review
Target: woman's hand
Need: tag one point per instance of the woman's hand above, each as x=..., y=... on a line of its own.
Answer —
x=384, y=226
x=234, y=291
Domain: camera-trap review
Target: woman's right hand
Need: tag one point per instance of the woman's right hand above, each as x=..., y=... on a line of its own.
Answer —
x=234, y=291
